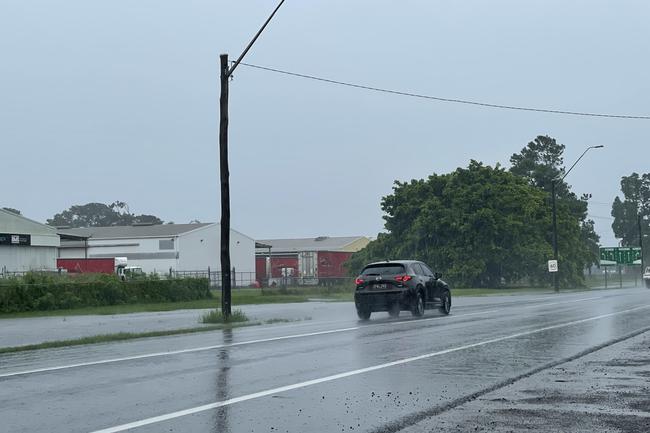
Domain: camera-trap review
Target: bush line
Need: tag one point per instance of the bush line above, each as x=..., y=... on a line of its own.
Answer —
x=42, y=292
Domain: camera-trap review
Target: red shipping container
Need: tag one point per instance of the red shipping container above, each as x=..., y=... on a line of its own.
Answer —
x=78, y=266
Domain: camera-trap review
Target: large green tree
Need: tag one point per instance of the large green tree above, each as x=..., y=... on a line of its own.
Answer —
x=100, y=215
x=626, y=211
x=540, y=162
x=481, y=226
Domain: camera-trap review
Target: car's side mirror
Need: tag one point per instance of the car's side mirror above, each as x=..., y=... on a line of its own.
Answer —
x=437, y=275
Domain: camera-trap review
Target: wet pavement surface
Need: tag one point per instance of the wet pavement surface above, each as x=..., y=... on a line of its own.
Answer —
x=334, y=373
x=23, y=331
x=605, y=391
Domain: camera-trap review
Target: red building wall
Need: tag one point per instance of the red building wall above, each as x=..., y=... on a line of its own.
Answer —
x=260, y=268
x=279, y=262
x=330, y=264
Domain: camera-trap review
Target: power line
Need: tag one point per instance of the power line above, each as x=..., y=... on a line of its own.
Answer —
x=441, y=99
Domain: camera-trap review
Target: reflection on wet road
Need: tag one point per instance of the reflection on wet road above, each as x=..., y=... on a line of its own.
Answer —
x=329, y=375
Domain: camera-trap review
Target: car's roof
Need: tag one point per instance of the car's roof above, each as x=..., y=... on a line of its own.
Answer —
x=398, y=262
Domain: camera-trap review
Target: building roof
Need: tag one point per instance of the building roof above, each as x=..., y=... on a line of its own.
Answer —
x=321, y=243
x=14, y=223
x=136, y=231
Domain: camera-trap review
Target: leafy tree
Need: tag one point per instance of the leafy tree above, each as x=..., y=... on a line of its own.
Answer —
x=100, y=215
x=540, y=162
x=635, y=203
x=146, y=219
x=482, y=226
x=12, y=210
x=485, y=226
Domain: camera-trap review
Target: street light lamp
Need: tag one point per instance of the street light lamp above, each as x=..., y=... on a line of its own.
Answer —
x=556, y=281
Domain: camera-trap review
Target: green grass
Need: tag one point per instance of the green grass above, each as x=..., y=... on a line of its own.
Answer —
x=121, y=336
x=266, y=296
x=216, y=316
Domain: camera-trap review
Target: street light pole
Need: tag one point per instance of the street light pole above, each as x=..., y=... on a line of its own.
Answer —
x=556, y=279
x=556, y=282
x=226, y=74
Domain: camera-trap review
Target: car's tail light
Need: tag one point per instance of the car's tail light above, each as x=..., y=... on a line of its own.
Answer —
x=403, y=278
x=358, y=281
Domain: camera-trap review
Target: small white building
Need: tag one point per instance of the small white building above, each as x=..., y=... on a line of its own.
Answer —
x=26, y=245
x=159, y=248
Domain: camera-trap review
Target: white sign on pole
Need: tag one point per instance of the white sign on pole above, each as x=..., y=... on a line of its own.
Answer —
x=552, y=265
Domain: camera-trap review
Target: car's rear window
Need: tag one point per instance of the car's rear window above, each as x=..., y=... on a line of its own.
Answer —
x=383, y=269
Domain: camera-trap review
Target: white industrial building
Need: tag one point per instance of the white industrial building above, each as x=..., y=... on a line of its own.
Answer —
x=26, y=245
x=160, y=248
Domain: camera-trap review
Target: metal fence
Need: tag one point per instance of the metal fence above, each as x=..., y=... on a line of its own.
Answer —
x=238, y=279
x=249, y=279
x=4, y=273
x=611, y=277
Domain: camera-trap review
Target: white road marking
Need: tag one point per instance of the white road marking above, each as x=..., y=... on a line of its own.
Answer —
x=563, y=302
x=263, y=340
x=281, y=389
x=222, y=346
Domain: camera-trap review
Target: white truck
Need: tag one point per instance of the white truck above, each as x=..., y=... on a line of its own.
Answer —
x=646, y=277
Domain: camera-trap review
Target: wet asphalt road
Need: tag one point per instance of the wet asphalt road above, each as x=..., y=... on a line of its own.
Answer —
x=321, y=375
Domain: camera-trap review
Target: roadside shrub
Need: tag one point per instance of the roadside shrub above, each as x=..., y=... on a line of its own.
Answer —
x=39, y=292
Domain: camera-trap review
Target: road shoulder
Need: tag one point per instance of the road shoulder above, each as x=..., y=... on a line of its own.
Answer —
x=607, y=390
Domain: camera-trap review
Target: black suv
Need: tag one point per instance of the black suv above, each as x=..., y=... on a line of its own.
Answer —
x=398, y=285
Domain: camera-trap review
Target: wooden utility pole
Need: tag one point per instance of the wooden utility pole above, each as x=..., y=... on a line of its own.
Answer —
x=225, y=189
x=226, y=73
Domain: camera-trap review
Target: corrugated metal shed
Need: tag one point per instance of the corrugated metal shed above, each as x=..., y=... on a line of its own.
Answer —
x=41, y=234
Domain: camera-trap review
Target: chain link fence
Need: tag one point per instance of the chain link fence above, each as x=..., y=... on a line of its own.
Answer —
x=249, y=280
x=237, y=279
x=615, y=276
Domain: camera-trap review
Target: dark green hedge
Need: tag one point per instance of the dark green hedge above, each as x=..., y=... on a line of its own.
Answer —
x=40, y=292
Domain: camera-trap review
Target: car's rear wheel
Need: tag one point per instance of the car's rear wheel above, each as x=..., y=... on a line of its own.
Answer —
x=445, y=302
x=394, y=309
x=363, y=313
x=418, y=305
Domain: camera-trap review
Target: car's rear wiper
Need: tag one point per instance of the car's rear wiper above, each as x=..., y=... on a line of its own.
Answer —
x=373, y=275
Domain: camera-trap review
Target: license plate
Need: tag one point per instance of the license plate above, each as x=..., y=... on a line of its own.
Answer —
x=379, y=286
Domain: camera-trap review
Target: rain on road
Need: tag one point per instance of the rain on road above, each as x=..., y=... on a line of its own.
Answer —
x=326, y=375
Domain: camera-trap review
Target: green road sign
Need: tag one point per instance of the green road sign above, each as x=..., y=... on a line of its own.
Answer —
x=620, y=256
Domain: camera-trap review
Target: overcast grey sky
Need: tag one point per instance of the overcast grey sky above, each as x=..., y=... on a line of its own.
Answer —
x=118, y=100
